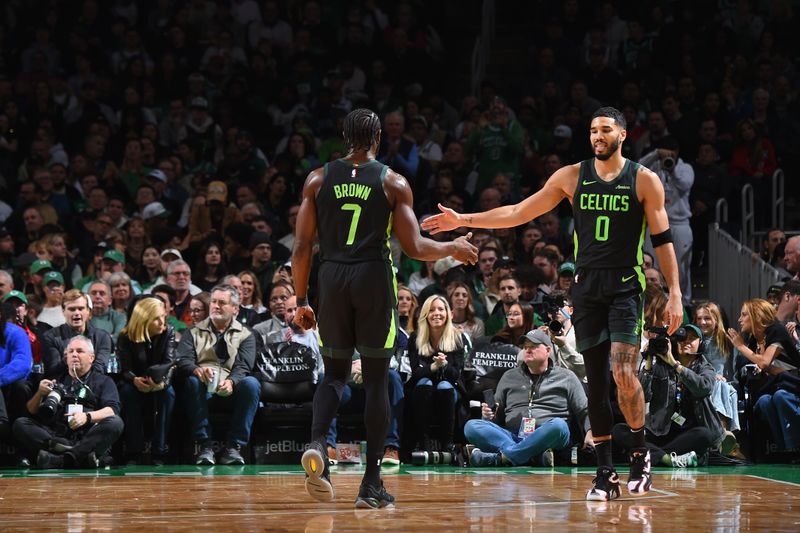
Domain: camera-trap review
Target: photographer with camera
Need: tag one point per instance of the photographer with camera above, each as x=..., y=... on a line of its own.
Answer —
x=556, y=312
x=682, y=423
x=74, y=417
x=533, y=405
x=677, y=177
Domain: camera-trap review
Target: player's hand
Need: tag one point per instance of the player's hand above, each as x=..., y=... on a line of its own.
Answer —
x=305, y=317
x=466, y=252
x=445, y=221
x=674, y=313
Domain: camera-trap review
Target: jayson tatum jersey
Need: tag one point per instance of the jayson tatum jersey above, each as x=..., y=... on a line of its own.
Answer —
x=354, y=218
x=609, y=219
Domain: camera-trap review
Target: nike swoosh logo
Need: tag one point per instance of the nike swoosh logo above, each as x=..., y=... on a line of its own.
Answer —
x=584, y=182
x=626, y=279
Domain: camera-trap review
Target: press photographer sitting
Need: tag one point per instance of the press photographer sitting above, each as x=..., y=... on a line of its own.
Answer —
x=682, y=424
x=74, y=417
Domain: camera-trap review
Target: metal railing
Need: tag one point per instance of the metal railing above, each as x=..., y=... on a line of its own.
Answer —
x=750, y=236
x=735, y=273
x=483, y=46
x=778, y=198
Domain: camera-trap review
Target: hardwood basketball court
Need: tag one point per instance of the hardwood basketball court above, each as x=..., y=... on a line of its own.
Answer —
x=270, y=498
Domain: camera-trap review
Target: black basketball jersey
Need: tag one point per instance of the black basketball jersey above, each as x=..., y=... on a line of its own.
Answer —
x=354, y=218
x=609, y=219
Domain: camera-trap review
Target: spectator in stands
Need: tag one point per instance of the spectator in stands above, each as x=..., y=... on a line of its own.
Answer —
x=422, y=277
x=77, y=309
x=52, y=313
x=406, y=309
x=753, y=163
x=62, y=260
x=792, y=256
x=397, y=149
x=711, y=184
x=270, y=329
x=509, y=295
x=769, y=345
x=103, y=316
x=682, y=424
x=78, y=440
x=436, y=353
x=146, y=343
x=149, y=268
x=251, y=292
x=179, y=275
x=198, y=307
x=534, y=404
x=15, y=363
x=211, y=265
x=718, y=351
x=496, y=144
x=216, y=358
x=677, y=178
x=167, y=294
x=486, y=258
x=519, y=320
x=459, y=295
x=246, y=316
x=261, y=261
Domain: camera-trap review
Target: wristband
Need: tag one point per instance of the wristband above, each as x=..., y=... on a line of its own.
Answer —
x=88, y=418
x=302, y=302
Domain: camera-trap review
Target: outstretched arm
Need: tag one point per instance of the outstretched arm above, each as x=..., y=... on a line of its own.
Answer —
x=405, y=227
x=560, y=185
x=651, y=193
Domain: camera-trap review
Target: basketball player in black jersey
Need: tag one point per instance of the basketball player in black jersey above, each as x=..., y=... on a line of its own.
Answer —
x=613, y=200
x=353, y=204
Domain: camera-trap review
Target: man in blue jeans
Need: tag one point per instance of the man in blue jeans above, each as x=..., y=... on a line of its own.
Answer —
x=216, y=357
x=534, y=403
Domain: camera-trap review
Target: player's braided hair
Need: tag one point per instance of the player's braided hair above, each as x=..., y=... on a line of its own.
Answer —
x=361, y=126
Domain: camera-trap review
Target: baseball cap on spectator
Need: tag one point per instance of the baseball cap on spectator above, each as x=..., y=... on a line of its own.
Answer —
x=53, y=276
x=504, y=262
x=562, y=131
x=153, y=210
x=441, y=266
x=157, y=174
x=566, y=269
x=102, y=245
x=537, y=336
x=39, y=265
x=257, y=238
x=19, y=295
x=114, y=255
x=692, y=328
x=24, y=260
x=198, y=102
x=173, y=252
x=217, y=191
x=418, y=118
x=4, y=233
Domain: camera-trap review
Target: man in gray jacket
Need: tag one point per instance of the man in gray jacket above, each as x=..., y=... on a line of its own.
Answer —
x=535, y=401
x=677, y=177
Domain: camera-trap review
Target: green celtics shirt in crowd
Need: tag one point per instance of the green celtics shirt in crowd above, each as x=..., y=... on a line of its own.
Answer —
x=498, y=151
x=609, y=219
x=354, y=218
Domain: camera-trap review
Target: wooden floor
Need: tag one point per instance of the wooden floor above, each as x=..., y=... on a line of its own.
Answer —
x=260, y=498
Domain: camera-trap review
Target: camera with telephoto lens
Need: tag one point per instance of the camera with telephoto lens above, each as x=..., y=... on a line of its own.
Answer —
x=660, y=344
x=668, y=163
x=548, y=310
x=49, y=405
x=422, y=458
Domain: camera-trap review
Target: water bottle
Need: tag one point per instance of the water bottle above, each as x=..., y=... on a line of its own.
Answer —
x=113, y=365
